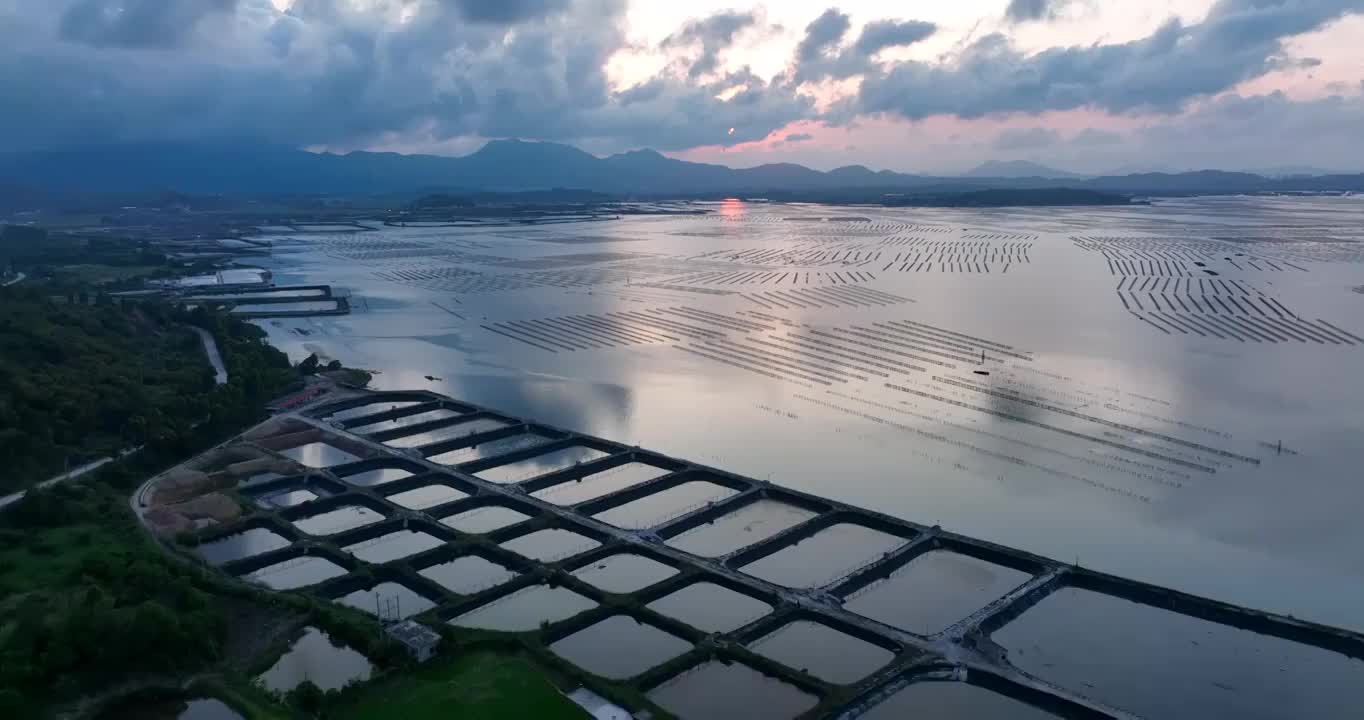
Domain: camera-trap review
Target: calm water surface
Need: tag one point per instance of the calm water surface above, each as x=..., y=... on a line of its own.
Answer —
x=1136, y=416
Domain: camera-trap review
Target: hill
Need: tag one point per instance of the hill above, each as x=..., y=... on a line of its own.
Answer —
x=1016, y=169
x=518, y=166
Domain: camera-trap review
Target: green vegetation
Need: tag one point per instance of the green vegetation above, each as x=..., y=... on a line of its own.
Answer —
x=86, y=597
x=79, y=382
x=477, y=686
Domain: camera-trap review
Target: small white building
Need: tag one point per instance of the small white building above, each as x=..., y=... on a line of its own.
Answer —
x=420, y=640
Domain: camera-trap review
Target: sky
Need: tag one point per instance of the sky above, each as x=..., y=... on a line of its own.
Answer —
x=1083, y=85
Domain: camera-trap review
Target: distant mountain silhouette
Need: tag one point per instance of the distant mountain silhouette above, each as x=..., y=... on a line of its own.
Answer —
x=516, y=166
x=1016, y=169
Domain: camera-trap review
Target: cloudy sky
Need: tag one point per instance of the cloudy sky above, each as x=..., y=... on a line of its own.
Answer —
x=1086, y=85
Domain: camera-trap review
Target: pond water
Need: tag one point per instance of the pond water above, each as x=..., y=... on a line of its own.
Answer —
x=369, y=409
x=540, y=465
x=822, y=651
x=484, y=519
x=370, y=478
x=472, y=427
x=338, y=520
x=828, y=555
x=318, y=455
x=624, y=573
x=1173, y=666
x=933, y=591
x=314, y=658
x=490, y=449
x=598, y=484
x=243, y=544
x=392, y=546
x=468, y=575
x=741, y=528
x=427, y=496
x=405, y=421
x=288, y=498
x=654, y=509
x=298, y=307
x=296, y=573
x=388, y=600
x=619, y=647
x=710, y=607
x=526, y=609
x=719, y=691
x=550, y=545
x=953, y=701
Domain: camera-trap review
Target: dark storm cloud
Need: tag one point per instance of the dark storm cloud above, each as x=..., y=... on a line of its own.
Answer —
x=505, y=12
x=412, y=73
x=713, y=35
x=1025, y=10
x=882, y=34
x=334, y=73
x=825, y=32
x=137, y=23
x=1239, y=40
x=820, y=54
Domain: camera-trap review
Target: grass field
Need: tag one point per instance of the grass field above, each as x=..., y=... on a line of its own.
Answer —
x=96, y=274
x=472, y=687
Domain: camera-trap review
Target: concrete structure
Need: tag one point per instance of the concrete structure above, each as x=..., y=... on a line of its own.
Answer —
x=420, y=640
x=964, y=651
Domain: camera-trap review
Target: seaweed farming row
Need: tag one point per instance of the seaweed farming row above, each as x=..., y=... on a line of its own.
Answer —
x=1178, y=257
x=1248, y=328
x=824, y=297
x=774, y=277
x=1257, y=304
x=804, y=257
x=860, y=352
x=617, y=329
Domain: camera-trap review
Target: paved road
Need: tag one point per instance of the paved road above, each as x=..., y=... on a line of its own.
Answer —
x=8, y=500
x=214, y=357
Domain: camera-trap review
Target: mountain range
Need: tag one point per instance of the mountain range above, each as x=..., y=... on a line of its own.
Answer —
x=513, y=165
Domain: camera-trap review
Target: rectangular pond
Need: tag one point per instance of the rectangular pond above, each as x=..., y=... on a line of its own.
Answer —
x=741, y=528
x=598, y=484
x=661, y=506
x=296, y=573
x=241, y=545
x=388, y=600
x=458, y=430
x=338, y=520
x=827, y=556
x=315, y=658
x=1160, y=664
x=427, y=496
x=933, y=591
x=710, y=607
x=540, y=465
x=468, y=575
x=733, y=691
x=619, y=647
x=550, y=545
x=526, y=609
x=392, y=546
x=826, y=653
x=953, y=701
x=624, y=573
x=318, y=455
